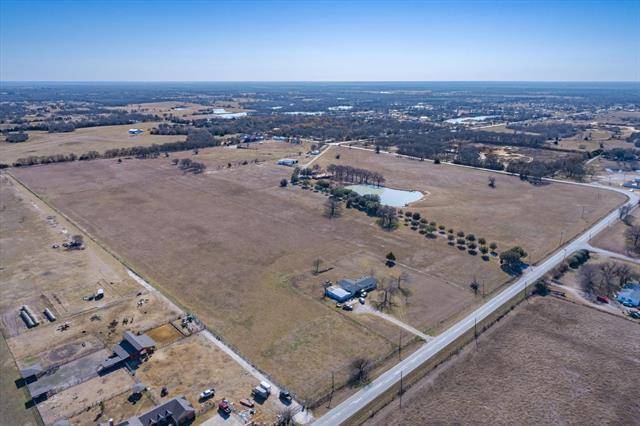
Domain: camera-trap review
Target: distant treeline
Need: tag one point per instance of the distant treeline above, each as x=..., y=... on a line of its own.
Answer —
x=193, y=142
x=323, y=127
x=535, y=170
x=548, y=130
x=62, y=126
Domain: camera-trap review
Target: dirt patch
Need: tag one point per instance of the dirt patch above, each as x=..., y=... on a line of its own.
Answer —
x=193, y=364
x=613, y=238
x=88, y=394
x=165, y=334
x=549, y=362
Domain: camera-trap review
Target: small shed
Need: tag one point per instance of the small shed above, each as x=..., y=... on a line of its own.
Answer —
x=338, y=294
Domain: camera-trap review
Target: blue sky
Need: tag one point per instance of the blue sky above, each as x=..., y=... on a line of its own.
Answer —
x=320, y=40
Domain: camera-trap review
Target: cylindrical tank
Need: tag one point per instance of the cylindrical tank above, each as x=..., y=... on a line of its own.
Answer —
x=49, y=315
x=26, y=318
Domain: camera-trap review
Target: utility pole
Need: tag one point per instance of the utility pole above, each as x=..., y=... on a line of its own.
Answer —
x=333, y=386
x=475, y=331
x=400, y=346
x=561, y=237
x=483, y=289
x=401, y=389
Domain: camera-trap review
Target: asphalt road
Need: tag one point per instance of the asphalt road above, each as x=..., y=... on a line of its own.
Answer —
x=359, y=400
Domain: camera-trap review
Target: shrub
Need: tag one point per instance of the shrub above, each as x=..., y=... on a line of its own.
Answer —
x=460, y=234
x=416, y=216
x=482, y=241
x=471, y=237
x=461, y=241
x=408, y=214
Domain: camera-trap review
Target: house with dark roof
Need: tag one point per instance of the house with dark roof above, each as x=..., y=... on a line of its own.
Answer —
x=131, y=348
x=175, y=412
x=357, y=286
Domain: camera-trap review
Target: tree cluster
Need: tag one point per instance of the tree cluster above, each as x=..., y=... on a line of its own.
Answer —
x=354, y=174
x=605, y=279
x=16, y=137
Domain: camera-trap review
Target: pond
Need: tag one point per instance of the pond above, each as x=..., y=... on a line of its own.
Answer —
x=388, y=196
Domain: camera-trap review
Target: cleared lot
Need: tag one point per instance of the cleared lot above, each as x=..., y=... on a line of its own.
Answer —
x=613, y=238
x=82, y=140
x=548, y=362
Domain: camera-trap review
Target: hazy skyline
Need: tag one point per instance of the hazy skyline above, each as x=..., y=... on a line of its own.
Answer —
x=320, y=41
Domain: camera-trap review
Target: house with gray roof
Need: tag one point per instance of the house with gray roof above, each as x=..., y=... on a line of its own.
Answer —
x=355, y=287
x=175, y=412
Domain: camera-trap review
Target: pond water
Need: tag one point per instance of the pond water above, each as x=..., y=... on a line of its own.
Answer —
x=469, y=119
x=388, y=196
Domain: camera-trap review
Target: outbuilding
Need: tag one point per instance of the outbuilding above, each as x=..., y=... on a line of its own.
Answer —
x=287, y=162
x=357, y=286
x=338, y=294
x=630, y=295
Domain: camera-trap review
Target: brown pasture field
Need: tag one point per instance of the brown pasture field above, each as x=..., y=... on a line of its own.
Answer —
x=613, y=238
x=598, y=138
x=547, y=362
x=513, y=213
x=83, y=140
x=230, y=245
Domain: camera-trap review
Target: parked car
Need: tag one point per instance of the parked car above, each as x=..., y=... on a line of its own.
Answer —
x=635, y=314
x=207, y=393
x=285, y=395
x=347, y=307
x=602, y=299
x=361, y=300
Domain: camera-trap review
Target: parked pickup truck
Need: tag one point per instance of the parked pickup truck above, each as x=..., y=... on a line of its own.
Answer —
x=260, y=392
x=206, y=394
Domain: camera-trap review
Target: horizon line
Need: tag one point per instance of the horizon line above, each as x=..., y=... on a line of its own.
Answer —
x=320, y=81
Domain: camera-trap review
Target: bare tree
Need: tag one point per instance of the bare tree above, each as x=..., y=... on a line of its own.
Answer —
x=285, y=416
x=388, y=289
x=623, y=213
x=360, y=369
x=608, y=272
x=332, y=208
x=632, y=236
x=316, y=266
x=589, y=277
x=625, y=274
x=475, y=286
x=401, y=281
